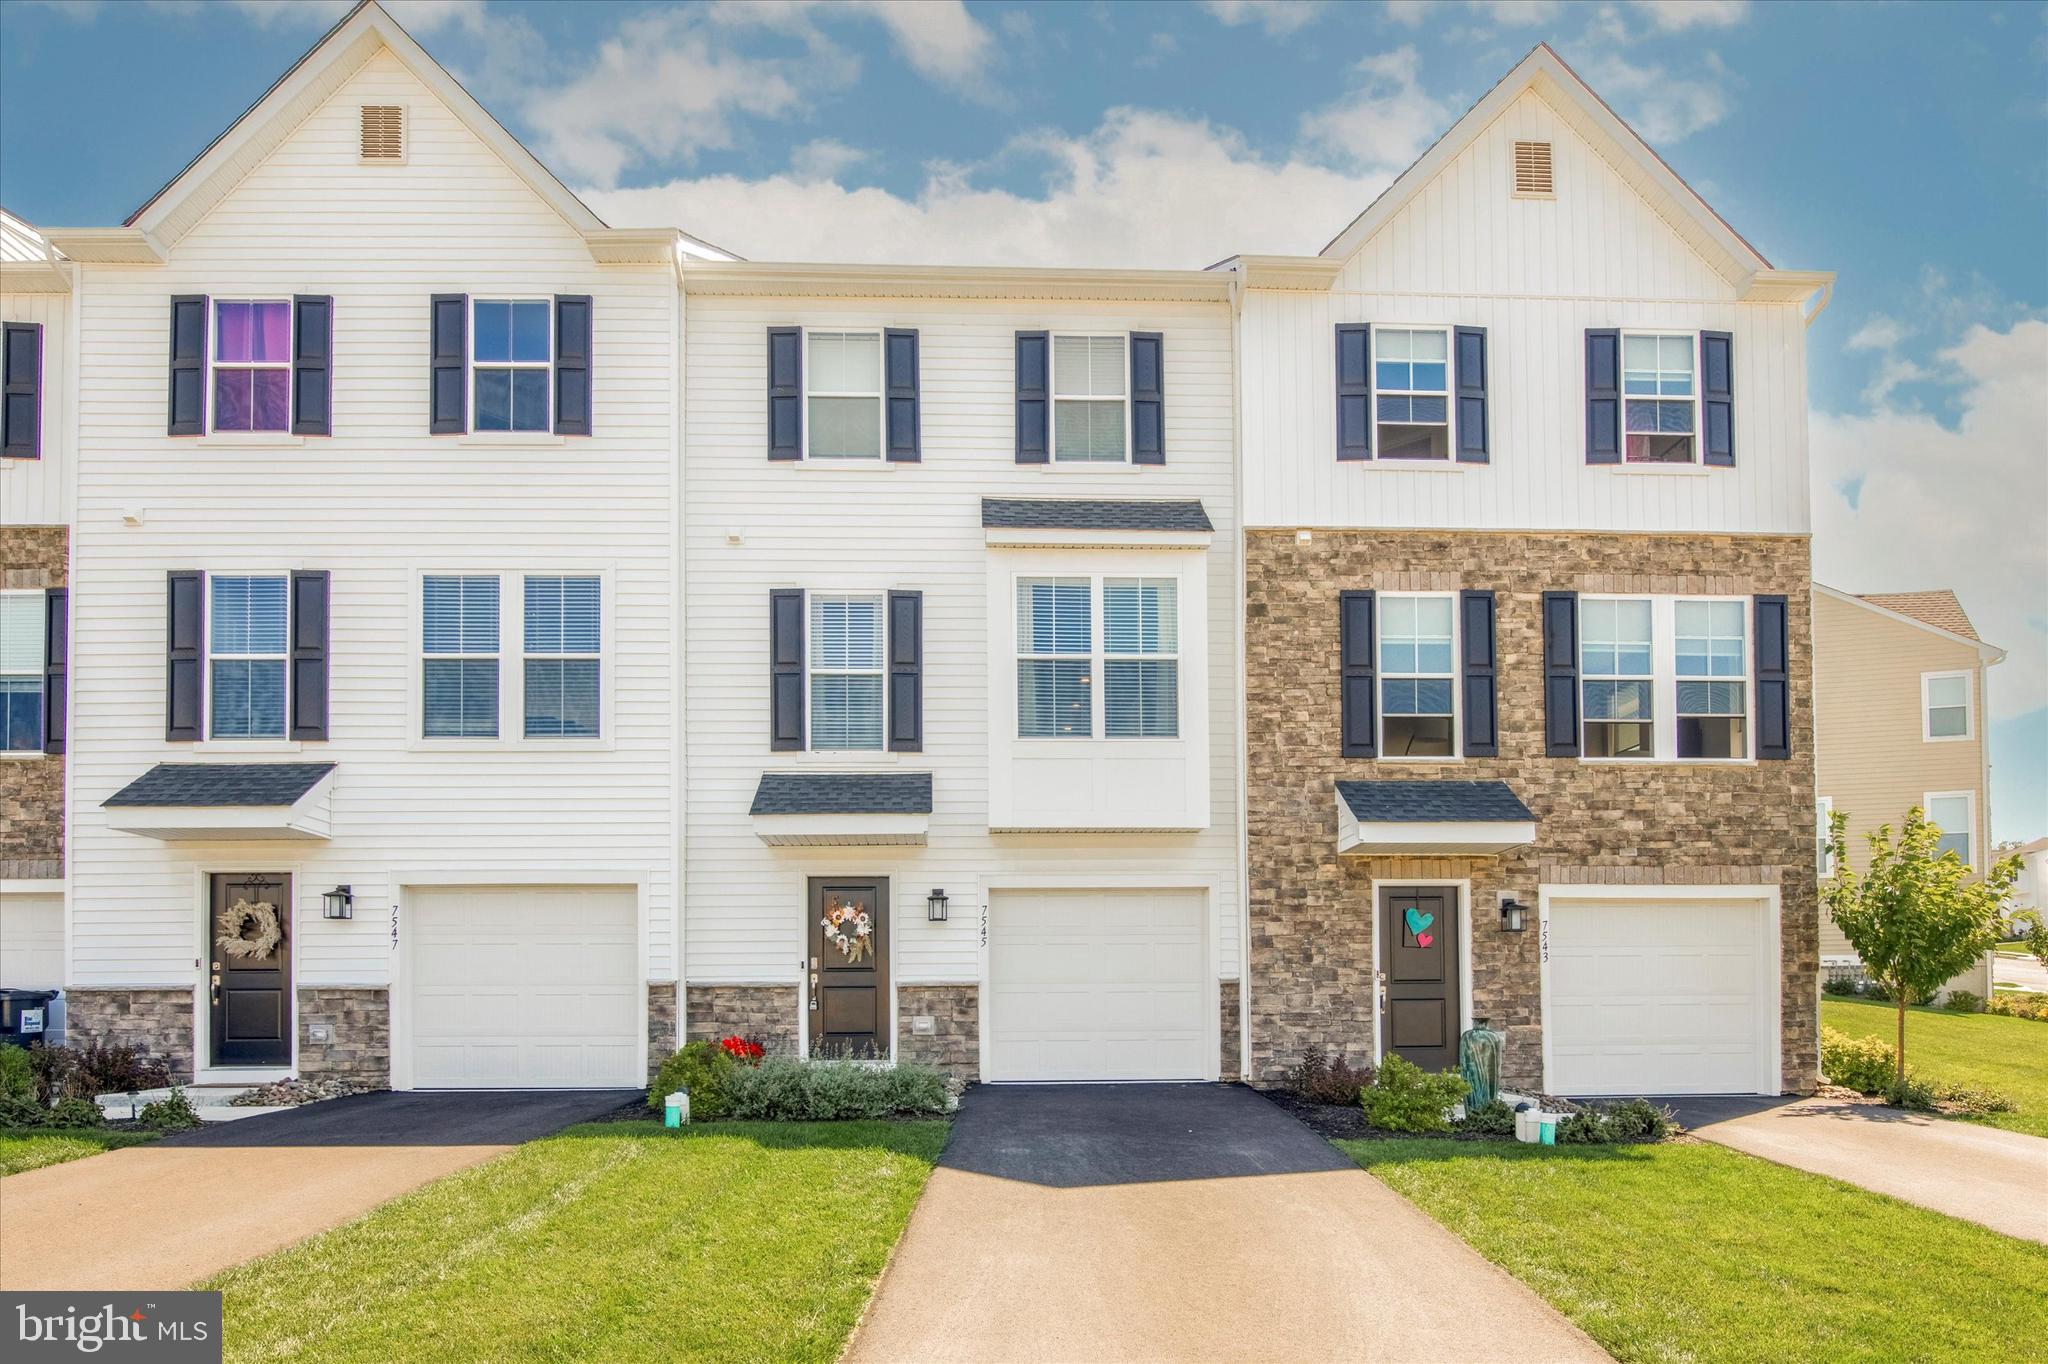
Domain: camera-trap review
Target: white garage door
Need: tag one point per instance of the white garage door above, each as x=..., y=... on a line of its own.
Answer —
x=31, y=941
x=1099, y=985
x=1659, y=997
x=524, y=988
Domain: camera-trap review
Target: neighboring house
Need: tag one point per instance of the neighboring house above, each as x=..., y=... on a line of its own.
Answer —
x=1899, y=699
x=1526, y=613
x=36, y=313
x=2030, y=890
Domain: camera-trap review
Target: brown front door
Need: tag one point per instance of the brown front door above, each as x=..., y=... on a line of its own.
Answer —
x=1419, y=962
x=249, y=938
x=849, y=976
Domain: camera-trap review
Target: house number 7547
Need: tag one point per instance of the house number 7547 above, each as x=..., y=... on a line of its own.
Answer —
x=394, y=926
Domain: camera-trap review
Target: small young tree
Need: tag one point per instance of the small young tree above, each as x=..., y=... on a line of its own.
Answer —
x=1918, y=916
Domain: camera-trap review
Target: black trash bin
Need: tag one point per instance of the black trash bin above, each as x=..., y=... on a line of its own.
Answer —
x=24, y=1015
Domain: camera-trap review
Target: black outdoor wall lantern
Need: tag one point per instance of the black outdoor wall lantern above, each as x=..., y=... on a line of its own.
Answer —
x=935, y=907
x=338, y=903
x=1513, y=916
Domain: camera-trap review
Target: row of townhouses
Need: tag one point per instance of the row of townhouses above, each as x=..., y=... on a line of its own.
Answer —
x=453, y=642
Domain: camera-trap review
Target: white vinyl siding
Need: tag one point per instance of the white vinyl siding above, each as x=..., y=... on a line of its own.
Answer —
x=39, y=492
x=846, y=641
x=844, y=384
x=247, y=629
x=1090, y=385
x=564, y=657
x=21, y=672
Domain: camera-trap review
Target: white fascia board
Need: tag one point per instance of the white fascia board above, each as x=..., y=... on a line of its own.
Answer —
x=842, y=831
x=109, y=245
x=311, y=816
x=998, y=537
x=774, y=279
x=1430, y=838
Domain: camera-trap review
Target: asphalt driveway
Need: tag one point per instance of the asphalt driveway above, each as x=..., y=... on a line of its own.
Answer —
x=165, y=1215
x=1184, y=1222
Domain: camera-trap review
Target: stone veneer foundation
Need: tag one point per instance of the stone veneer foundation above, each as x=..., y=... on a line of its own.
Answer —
x=358, y=1021
x=32, y=558
x=156, y=1021
x=662, y=1037
x=1310, y=954
x=1232, y=1032
x=954, y=1044
x=765, y=1013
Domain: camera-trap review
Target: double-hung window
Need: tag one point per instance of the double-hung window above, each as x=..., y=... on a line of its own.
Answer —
x=511, y=363
x=846, y=662
x=459, y=637
x=563, y=647
x=1954, y=813
x=252, y=365
x=1945, y=706
x=1712, y=663
x=1418, y=716
x=1055, y=658
x=1066, y=654
x=1141, y=658
x=1412, y=396
x=1618, y=674
x=1090, y=399
x=845, y=394
x=21, y=672
x=1665, y=678
x=1659, y=397
x=247, y=637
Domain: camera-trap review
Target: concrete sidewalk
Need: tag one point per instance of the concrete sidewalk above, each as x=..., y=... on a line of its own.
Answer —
x=1981, y=1174
x=1183, y=1223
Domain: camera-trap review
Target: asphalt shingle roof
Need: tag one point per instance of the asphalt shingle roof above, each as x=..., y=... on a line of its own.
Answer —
x=843, y=793
x=1061, y=513
x=1431, y=801
x=1938, y=608
x=221, y=784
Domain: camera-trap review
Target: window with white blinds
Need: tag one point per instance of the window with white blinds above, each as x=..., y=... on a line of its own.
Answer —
x=845, y=378
x=846, y=662
x=1418, y=691
x=1089, y=392
x=1141, y=664
x=246, y=649
x=459, y=636
x=1055, y=658
x=21, y=672
x=563, y=656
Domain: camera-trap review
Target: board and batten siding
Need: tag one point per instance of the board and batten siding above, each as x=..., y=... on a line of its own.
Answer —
x=753, y=525
x=38, y=492
x=375, y=504
x=1536, y=273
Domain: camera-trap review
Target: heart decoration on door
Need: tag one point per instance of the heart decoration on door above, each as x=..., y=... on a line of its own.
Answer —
x=1418, y=924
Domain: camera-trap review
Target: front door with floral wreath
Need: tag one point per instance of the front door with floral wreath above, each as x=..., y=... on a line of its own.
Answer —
x=249, y=951
x=847, y=985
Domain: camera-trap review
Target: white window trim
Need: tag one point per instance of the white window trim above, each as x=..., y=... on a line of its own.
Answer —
x=567, y=656
x=265, y=435
x=547, y=427
x=1664, y=680
x=1106, y=656
x=1098, y=658
x=1824, y=814
x=1053, y=400
x=1693, y=337
x=1969, y=798
x=42, y=651
x=812, y=671
x=1380, y=675
x=1927, y=681
x=511, y=647
x=880, y=395
x=1449, y=395
x=212, y=657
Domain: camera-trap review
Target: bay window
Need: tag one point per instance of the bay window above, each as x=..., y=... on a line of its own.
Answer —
x=1055, y=658
x=563, y=634
x=1141, y=666
x=1066, y=652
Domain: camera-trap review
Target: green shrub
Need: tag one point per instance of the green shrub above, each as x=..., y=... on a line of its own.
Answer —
x=1494, y=1120
x=169, y=1115
x=1407, y=1098
x=1975, y=1103
x=1324, y=1079
x=1882, y=993
x=1637, y=1120
x=1582, y=1128
x=19, y=1113
x=1864, y=1064
x=17, y=1074
x=1910, y=1092
x=1840, y=984
x=76, y=1112
x=2018, y=1004
x=1963, y=1002
x=702, y=1068
x=785, y=1089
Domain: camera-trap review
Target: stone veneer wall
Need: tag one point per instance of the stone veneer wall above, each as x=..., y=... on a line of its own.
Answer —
x=359, y=1045
x=765, y=1013
x=1310, y=957
x=32, y=558
x=661, y=1024
x=1233, y=1035
x=955, y=1042
x=156, y=1021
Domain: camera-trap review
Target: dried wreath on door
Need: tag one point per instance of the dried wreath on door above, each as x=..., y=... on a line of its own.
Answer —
x=248, y=931
x=849, y=928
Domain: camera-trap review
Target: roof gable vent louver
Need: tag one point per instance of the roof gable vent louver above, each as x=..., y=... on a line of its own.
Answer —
x=383, y=132
x=1532, y=169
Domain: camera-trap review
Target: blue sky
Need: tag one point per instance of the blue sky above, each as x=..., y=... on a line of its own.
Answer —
x=1905, y=146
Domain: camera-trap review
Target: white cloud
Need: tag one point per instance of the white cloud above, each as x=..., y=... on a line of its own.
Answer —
x=1278, y=17
x=1675, y=16
x=417, y=16
x=1664, y=106
x=1878, y=332
x=938, y=37
x=1386, y=121
x=1959, y=507
x=1407, y=13
x=1518, y=13
x=823, y=159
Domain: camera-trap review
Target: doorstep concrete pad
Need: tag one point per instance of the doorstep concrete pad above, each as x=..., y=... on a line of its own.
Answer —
x=1982, y=1174
x=1103, y=1254
x=168, y=1214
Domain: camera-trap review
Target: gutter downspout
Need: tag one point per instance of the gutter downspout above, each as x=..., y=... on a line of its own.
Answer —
x=1239, y=723
x=679, y=756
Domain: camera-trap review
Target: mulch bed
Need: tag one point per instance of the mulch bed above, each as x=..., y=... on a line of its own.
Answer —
x=1346, y=1122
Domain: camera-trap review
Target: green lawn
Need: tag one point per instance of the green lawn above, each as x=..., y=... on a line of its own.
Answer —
x=1692, y=1252
x=612, y=1241
x=53, y=1146
x=1982, y=1051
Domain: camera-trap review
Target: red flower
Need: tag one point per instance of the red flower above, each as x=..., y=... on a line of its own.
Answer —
x=741, y=1049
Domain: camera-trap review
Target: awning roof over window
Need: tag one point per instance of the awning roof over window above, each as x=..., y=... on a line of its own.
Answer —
x=1057, y=521
x=1431, y=818
x=822, y=809
x=178, y=801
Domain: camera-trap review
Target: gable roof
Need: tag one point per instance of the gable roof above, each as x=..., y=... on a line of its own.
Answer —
x=1938, y=608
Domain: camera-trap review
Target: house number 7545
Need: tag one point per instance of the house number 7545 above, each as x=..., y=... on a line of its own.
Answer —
x=984, y=924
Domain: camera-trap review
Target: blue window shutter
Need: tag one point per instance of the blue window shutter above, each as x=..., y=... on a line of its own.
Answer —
x=1034, y=378
x=572, y=364
x=1355, y=665
x=185, y=656
x=786, y=670
x=56, y=666
x=900, y=349
x=906, y=672
x=1773, y=678
x=1471, y=353
x=21, y=390
x=1603, y=396
x=1561, y=674
x=786, y=396
x=1717, y=397
x=1354, y=391
x=1482, y=735
x=309, y=631
x=448, y=366
x=188, y=365
x=312, y=365
x=1148, y=398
